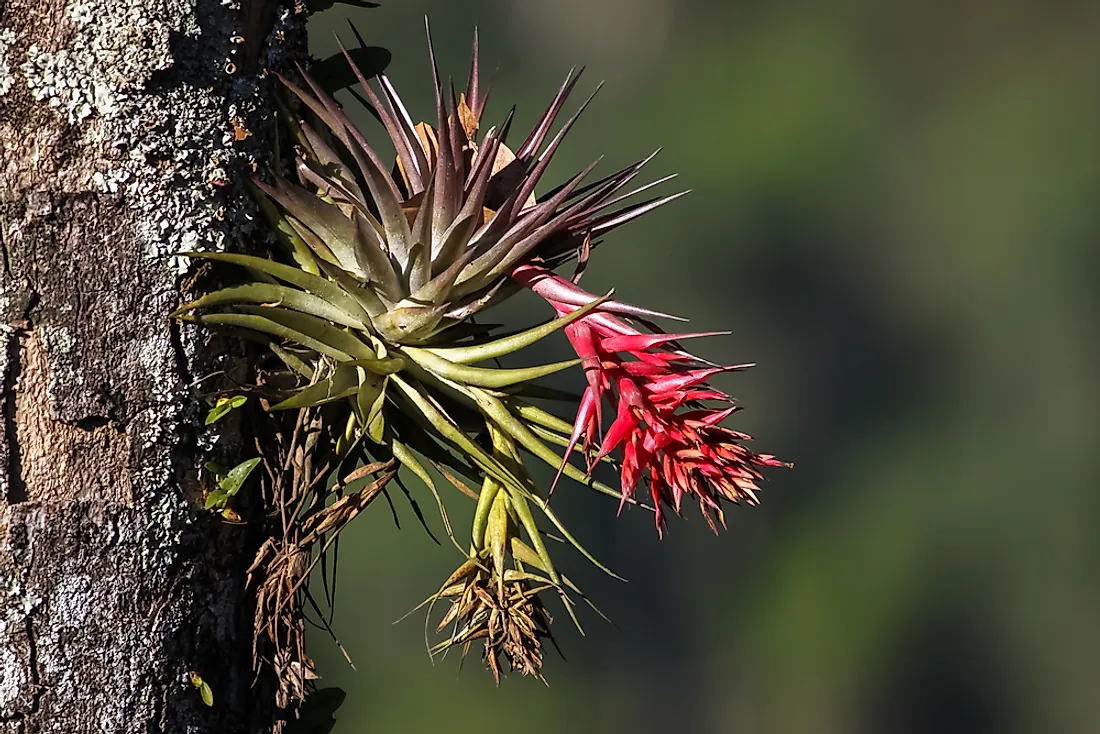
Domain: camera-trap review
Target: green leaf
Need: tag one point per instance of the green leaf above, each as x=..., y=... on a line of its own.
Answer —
x=544, y=392
x=338, y=256
x=341, y=384
x=223, y=406
x=323, y=219
x=489, y=489
x=402, y=453
x=204, y=688
x=406, y=324
x=537, y=416
x=519, y=430
x=268, y=293
x=290, y=240
x=483, y=376
x=387, y=366
x=316, y=329
x=309, y=331
x=507, y=423
x=295, y=276
x=236, y=476
x=477, y=455
x=450, y=432
x=215, y=468
x=292, y=361
x=510, y=344
x=348, y=439
x=265, y=325
x=368, y=300
x=496, y=531
x=370, y=401
x=518, y=495
x=215, y=499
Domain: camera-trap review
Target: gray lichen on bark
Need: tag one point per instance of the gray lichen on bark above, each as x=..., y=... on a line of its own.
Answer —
x=124, y=125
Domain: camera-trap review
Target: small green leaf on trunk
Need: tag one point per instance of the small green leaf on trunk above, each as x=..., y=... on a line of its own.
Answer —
x=236, y=476
x=215, y=499
x=223, y=406
x=204, y=688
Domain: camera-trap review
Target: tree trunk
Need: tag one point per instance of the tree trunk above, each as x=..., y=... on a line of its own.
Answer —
x=124, y=126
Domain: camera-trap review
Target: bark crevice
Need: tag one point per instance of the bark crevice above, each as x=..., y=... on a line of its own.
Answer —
x=32, y=668
x=17, y=488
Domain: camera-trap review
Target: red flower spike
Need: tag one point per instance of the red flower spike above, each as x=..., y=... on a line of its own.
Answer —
x=678, y=452
x=642, y=342
x=585, y=424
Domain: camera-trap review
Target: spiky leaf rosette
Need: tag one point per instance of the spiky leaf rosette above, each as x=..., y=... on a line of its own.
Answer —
x=389, y=255
x=427, y=242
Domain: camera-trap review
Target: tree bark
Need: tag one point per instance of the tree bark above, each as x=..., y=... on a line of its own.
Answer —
x=124, y=127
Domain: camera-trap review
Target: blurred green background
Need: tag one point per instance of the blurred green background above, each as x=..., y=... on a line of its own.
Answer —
x=895, y=211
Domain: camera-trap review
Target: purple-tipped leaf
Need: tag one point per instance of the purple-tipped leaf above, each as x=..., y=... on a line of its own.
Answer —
x=608, y=222
x=375, y=261
x=535, y=175
x=310, y=173
x=458, y=140
x=436, y=290
x=315, y=243
x=630, y=194
x=473, y=85
x=534, y=141
x=404, y=139
x=326, y=220
x=478, y=274
x=420, y=267
x=331, y=163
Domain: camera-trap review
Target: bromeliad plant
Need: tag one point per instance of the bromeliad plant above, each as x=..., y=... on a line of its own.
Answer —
x=387, y=260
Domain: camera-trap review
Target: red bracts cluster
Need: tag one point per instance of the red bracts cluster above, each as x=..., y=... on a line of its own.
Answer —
x=669, y=437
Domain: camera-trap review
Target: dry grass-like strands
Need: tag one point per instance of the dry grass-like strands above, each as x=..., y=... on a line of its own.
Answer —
x=507, y=616
x=305, y=511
